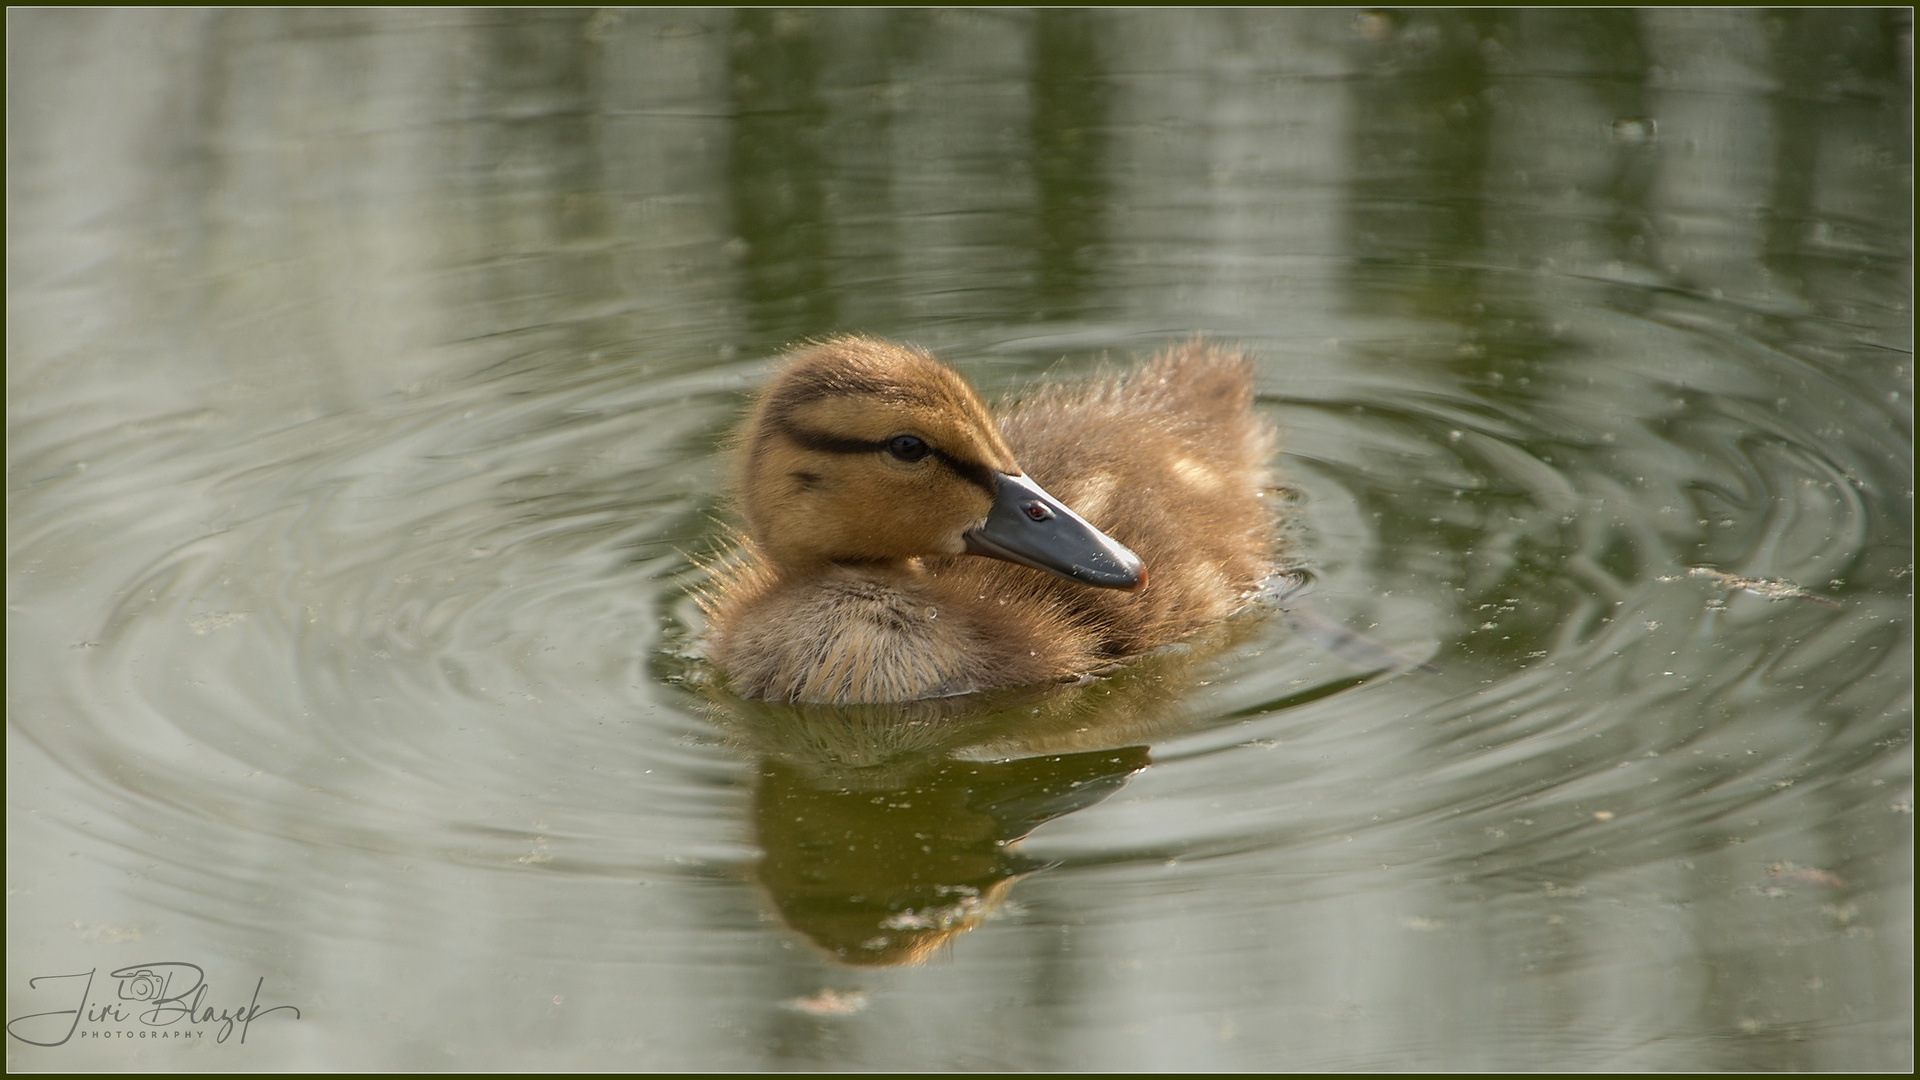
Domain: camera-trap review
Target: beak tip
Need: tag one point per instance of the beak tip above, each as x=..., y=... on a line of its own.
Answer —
x=1140, y=582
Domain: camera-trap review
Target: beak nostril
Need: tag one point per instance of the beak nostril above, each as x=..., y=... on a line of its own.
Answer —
x=1059, y=542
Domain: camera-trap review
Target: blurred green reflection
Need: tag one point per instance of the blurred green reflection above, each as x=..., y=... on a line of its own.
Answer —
x=888, y=829
x=883, y=875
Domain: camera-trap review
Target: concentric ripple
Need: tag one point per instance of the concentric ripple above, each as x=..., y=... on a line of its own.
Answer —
x=370, y=376
x=430, y=630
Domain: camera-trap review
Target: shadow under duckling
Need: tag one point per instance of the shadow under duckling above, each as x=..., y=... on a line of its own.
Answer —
x=903, y=544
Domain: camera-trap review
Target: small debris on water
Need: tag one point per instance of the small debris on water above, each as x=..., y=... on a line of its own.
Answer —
x=1771, y=588
x=829, y=1003
x=207, y=622
x=1635, y=130
x=1805, y=875
x=1842, y=914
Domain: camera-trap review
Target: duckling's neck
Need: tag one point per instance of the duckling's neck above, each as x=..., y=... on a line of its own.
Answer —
x=901, y=569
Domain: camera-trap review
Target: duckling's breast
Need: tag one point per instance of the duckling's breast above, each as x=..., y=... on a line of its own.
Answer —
x=864, y=634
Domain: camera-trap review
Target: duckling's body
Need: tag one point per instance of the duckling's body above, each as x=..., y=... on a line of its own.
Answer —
x=870, y=471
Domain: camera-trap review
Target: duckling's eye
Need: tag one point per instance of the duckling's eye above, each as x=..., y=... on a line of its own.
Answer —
x=908, y=447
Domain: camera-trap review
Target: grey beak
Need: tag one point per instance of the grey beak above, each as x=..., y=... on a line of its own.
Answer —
x=1030, y=527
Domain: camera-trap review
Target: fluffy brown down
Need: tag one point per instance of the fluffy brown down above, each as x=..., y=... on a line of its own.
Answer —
x=1170, y=460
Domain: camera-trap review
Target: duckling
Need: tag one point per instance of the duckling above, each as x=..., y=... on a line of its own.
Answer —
x=903, y=544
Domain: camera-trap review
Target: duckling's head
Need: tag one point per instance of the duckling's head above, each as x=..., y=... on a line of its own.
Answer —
x=864, y=451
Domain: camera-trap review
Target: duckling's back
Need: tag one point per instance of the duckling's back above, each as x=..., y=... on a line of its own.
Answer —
x=1171, y=461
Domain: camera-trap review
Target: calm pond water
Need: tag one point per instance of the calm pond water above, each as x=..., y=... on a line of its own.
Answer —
x=368, y=374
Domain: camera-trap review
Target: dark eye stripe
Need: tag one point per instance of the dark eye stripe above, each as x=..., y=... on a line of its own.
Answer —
x=830, y=444
x=971, y=471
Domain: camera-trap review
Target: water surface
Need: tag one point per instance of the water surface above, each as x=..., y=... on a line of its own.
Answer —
x=368, y=374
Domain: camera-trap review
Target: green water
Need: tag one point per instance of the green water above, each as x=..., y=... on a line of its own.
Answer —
x=368, y=373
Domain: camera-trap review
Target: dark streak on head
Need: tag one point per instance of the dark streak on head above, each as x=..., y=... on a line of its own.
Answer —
x=823, y=442
x=971, y=471
x=805, y=384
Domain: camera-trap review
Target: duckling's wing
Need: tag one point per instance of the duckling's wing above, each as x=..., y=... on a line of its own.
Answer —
x=1172, y=462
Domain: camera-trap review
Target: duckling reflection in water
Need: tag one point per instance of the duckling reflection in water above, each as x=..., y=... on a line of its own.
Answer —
x=903, y=544
x=888, y=829
x=883, y=876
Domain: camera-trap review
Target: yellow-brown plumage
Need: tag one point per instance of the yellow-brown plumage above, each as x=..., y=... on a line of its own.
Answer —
x=853, y=584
